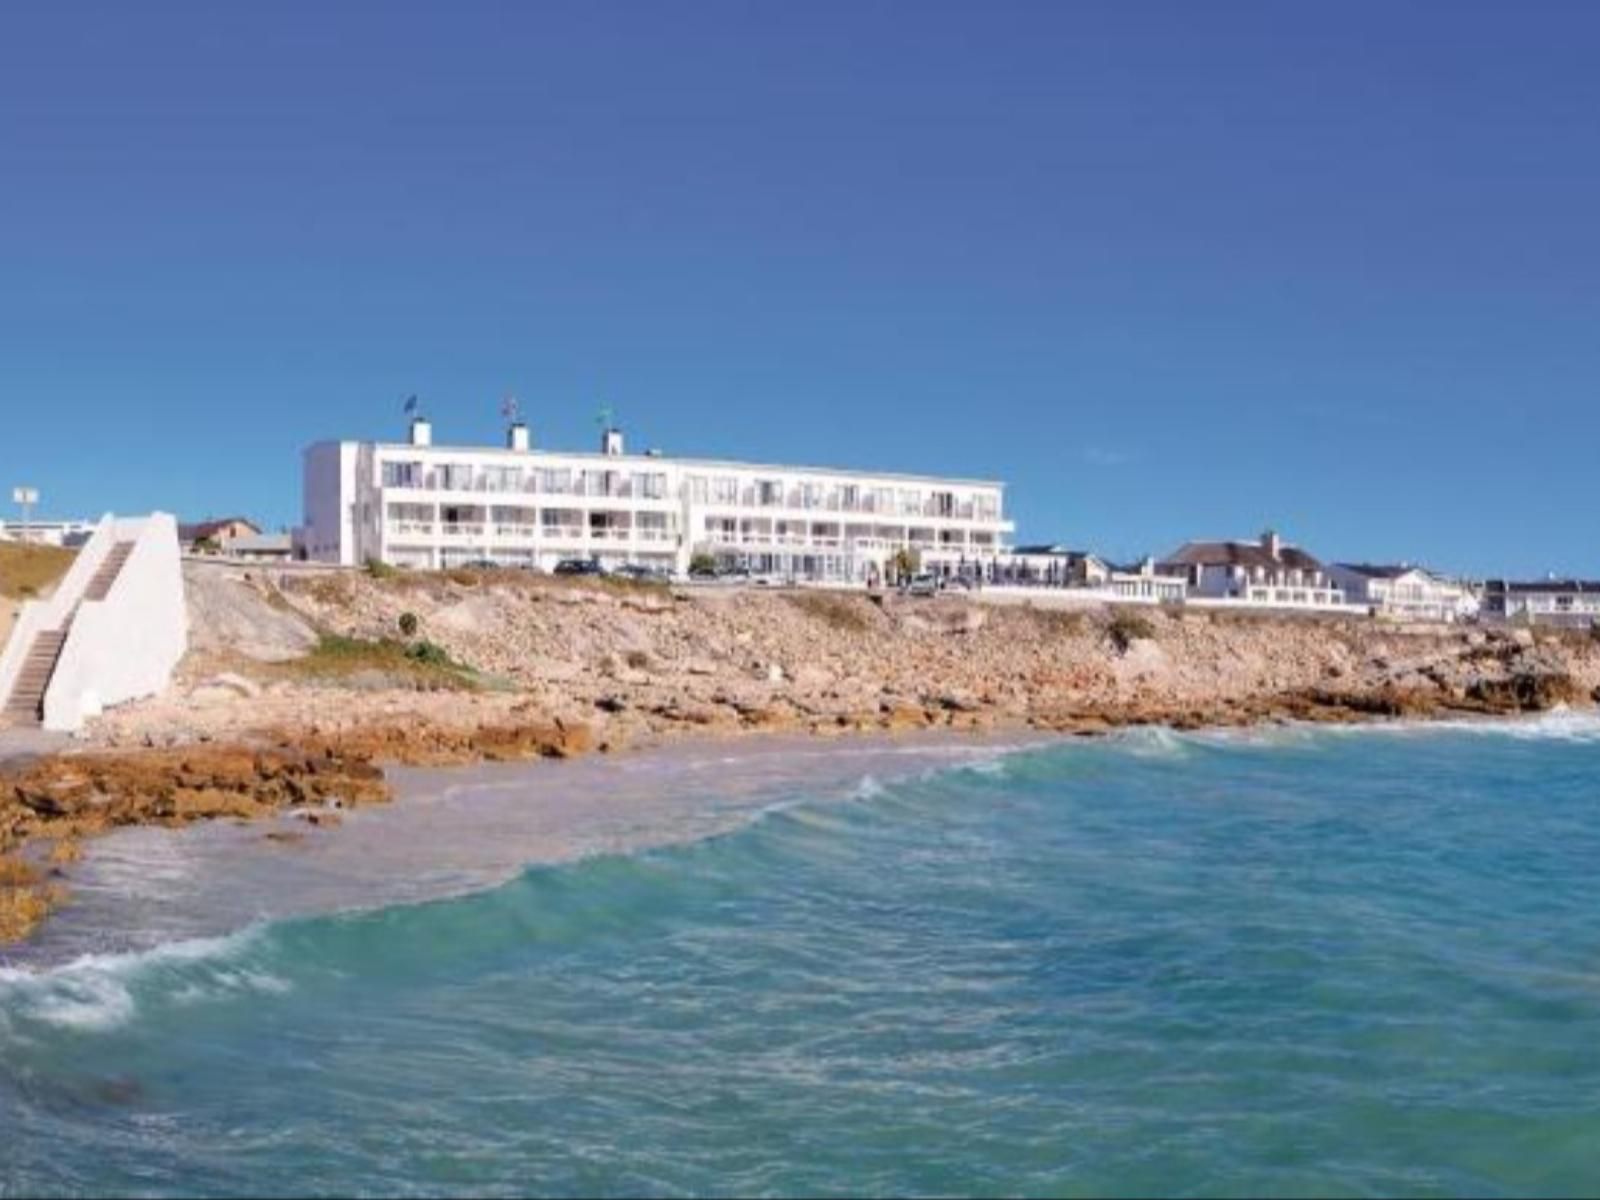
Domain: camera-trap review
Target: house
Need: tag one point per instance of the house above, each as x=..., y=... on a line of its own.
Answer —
x=213, y=534
x=1055, y=565
x=417, y=504
x=1547, y=601
x=1266, y=572
x=1404, y=592
x=260, y=547
x=70, y=534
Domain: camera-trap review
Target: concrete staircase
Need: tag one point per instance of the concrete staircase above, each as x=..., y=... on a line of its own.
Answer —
x=100, y=585
x=25, y=705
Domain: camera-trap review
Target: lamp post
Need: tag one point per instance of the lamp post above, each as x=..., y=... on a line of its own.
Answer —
x=27, y=497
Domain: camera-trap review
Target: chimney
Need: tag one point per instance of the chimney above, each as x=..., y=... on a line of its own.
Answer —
x=517, y=436
x=421, y=431
x=611, y=441
x=1272, y=543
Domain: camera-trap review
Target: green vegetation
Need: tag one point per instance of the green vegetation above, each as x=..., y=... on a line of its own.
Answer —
x=423, y=663
x=1127, y=627
x=702, y=563
x=408, y=624
x=27, y=569
x=904, y=563
x=379, y=570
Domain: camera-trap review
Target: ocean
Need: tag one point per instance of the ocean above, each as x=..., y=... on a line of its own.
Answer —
x=1288, y=961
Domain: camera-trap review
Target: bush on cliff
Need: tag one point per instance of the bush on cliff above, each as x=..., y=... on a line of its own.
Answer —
x=1128, y=627
x=408, y=624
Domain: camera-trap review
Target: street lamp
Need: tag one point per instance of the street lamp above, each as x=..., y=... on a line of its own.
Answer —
x=27, y=497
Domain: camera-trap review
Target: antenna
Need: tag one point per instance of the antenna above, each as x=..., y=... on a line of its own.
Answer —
x=511, y=408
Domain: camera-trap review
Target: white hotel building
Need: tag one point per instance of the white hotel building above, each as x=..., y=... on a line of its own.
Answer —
x=415, y=504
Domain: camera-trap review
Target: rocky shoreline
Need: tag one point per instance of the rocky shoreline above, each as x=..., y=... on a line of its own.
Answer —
x=298, y=691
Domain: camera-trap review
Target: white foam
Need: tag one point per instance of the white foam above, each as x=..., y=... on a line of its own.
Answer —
x=95, y=991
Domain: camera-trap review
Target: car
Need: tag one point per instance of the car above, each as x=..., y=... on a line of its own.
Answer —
x=481, y=564
x=641, y=572
x=579, y=566
x=924, y=584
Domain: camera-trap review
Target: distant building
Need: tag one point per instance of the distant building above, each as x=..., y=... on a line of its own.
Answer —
x=415, y=504
x=1144, y=582
x=50, y=533
x=1267, y=572
x=1546, y=601
x=1055, y=564
x=260, y=547
x=215, y=533
x=1404, y=592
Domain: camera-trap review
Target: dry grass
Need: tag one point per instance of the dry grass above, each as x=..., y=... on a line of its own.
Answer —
x=28, y=570
x=848, y=614
x=1055, y=622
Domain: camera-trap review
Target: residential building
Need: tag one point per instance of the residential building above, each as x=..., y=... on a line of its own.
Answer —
x=1146, y=582
x=50, y=533
x=214, y=533
x=260, y=547
x=1404, y=592
x=1267, y=572
x=1545, y=601
x=1055, y=565
x=416, y=504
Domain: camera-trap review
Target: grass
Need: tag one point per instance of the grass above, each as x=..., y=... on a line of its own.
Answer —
x=27, y=570
x=848, y=614
x=336, y=656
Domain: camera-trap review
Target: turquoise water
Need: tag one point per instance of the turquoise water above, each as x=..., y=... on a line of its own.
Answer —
x=1332, y=963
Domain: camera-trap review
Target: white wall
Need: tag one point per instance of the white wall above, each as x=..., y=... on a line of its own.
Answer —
x=128, y=644
x=37, y=616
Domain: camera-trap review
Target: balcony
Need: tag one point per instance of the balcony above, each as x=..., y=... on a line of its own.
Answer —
x=459, y=530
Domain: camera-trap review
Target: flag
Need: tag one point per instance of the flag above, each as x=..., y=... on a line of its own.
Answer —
x=412, y=405
x=509, y=409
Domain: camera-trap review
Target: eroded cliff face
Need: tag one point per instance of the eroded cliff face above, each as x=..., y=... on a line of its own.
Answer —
x=295, y=694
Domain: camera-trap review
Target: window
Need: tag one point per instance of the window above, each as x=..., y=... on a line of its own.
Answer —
x=456, y=477
x=402, y=474
x=556, y=480
x=697, y=489
x=725, y=489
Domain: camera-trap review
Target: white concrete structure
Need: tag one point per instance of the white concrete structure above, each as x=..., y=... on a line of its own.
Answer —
x=1404, y=592
x=415, y=504
x=1264, y=574
x=113, y=629
x=1545, y=601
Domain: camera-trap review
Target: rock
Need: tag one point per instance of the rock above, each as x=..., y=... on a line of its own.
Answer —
x=774, y=673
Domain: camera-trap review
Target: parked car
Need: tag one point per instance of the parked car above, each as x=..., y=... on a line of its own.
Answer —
x=481, y=564
x=642, y=573
x=925, y=584
x=579, y=566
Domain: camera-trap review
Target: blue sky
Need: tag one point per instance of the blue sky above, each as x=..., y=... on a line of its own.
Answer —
x=1169, y=269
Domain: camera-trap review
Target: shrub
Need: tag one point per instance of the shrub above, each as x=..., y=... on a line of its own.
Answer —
x=702, y=562
x=408, y=624
x=377, y=569
x=429, y=654
x=637, y=659
x=1129, y=627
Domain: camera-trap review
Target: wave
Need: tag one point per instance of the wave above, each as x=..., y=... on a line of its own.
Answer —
x=99, y=992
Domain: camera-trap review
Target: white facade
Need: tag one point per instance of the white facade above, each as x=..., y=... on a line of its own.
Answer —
x=1405, y=593
x=1266, y=573
x=1556, y=601
x=420, y=505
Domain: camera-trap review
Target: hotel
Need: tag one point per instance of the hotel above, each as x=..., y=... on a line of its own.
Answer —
x=415, y=504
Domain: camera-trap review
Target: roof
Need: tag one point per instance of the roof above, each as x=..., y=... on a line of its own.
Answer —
x=209, y=527
x=1380, y=571
x=1546, y=586
x=1239, y=554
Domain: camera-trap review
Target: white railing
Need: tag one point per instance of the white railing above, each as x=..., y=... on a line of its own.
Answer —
x=410, y=528
x=128, y=644
x=514, y=531
x=461, y=531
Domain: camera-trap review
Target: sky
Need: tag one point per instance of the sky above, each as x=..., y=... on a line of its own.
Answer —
x=1171, y=270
